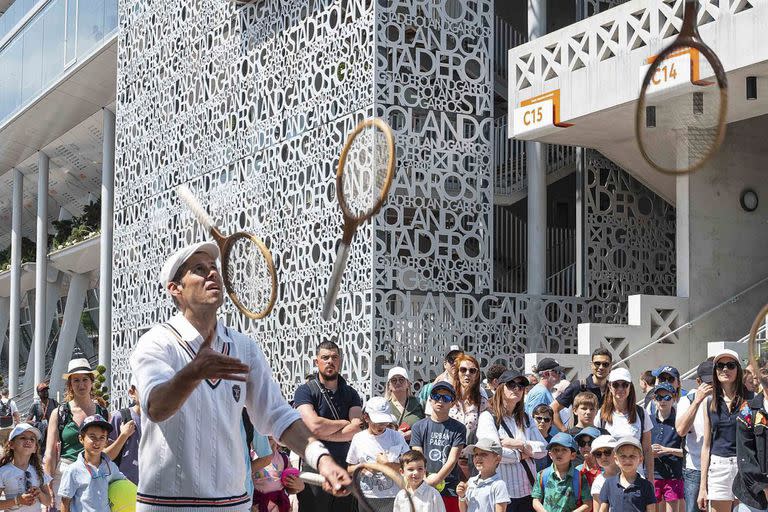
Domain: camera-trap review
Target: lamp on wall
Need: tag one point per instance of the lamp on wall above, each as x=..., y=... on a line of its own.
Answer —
x=748, y=200
x=751, y=87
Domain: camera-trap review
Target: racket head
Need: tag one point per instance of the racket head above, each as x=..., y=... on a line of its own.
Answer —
x=758, y=347
x=678, y=130
x=249, y=275
x=383, y=472
x=366, y=169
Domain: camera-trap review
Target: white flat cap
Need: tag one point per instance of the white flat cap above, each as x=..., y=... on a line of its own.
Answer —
x=177, y=259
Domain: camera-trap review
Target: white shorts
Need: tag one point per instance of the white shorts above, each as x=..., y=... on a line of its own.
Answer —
x=722, y=473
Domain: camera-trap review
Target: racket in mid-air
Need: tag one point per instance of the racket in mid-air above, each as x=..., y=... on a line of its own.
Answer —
x=366, y=169
x=680, y=122
x=758, y=347
x=383, y=477
x=247, y=267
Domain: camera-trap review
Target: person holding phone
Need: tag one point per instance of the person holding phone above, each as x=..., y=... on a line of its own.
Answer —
x=402, y=404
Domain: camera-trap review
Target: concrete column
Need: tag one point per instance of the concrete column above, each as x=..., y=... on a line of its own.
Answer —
x=14, y=331
x=78, y=285
x=5, y=313
x=41, y=269
x=52, y=294
x=682, y=235
x=105, y=262
x=536, y=168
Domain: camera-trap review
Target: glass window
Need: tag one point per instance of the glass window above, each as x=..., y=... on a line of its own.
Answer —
x=10, y=80
x=32, y=72
x=90, y=25
x=53, y=41
x=71, y=31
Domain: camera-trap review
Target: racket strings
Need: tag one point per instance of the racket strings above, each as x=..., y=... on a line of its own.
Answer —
x=365, y=172
x=249, y=275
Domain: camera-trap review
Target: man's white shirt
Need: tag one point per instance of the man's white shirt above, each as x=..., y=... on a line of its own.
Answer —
x=194, y=459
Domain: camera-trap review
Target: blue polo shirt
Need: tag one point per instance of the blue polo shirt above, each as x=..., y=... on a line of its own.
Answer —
x=634, y=498
x=666, y=467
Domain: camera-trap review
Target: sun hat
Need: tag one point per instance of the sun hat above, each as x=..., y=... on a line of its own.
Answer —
x=726, y=353
x=377, y=408
x=95, y=420
x=628, y=440
x=603, y=441
x=177, y=259
x=486, y=444
x=618, y=374
x=397, y=370
x=548, y=364
x=24, y=427
x=562, y=439
x=78, y=366
x=510, y=375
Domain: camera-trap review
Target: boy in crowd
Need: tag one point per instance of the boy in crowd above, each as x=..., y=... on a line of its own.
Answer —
x=628, y=491
x=542, y=417
x=442, y=435
x=85, y=483
x=560, y=487
x=602, y=451
x=486, y=491
x=413, y=467
x=584, y=411
x=667, y=448
x=588, y=466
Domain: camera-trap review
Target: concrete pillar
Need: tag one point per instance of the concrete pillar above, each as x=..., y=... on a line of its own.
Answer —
x=682, y=235
x=536, y=168
x=41, y=269
x=5, y=314
x=105, y=255
x=78, y=285
x=52, y=294
x=14, y=331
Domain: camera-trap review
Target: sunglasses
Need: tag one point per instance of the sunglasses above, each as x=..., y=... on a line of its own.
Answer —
x=731, y=365
x=514, y=385
x=471, y=371
x=542, y=419
x=600, y=364
x=602, y=453
x=584, y=442
x=663, y=398
x=437, y=397
x=620, y=384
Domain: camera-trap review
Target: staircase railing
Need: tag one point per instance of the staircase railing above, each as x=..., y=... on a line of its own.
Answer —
x=505, y=37
x=563, y=283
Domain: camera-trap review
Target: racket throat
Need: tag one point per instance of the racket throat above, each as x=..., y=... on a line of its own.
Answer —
x=335, y=282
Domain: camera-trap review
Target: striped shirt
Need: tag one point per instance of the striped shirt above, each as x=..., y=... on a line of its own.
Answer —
x=194, y=459
x=511, y=468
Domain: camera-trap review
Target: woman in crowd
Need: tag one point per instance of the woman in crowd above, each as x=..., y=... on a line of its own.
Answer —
x=621, y=417
x=402, y=404
x=506, y=422
x=719, y=464
x=79, y=403
x=469, y=401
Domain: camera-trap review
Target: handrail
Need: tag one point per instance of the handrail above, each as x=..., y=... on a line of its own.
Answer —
x=505, y=37
x=761, y=332
x=730, y=300
x=563, y=283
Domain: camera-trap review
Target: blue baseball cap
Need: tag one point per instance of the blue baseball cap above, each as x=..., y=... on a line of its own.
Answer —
x=562, y=439
x=665, y=386
x=592, y=432
x=444, y=385
x=666, y=369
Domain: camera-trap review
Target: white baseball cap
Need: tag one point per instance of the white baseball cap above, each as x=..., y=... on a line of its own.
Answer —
x=398, y=370
x=177, y=259
x=619, y=374
x=24, y=427
x=628, y=440
x=727, y=353
x=603, y=441
x=377, y=408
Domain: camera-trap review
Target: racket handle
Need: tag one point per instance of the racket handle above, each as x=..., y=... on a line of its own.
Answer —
x=193, y=204
x=335, y=282
x=312, y=478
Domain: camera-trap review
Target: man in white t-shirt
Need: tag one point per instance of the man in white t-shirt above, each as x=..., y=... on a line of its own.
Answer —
x=691, y=410
x=194, y=375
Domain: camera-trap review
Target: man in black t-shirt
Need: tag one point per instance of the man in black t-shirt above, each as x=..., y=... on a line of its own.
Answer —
x=332, y=410
x=596, y=382
x=40, y=412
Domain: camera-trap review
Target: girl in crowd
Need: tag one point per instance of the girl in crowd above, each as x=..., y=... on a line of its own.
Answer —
x=402, y=404
x=719, y=464
x=621, y=417
x=22, y=482
x=469, y=402
x=64, y=425
x=505, y=421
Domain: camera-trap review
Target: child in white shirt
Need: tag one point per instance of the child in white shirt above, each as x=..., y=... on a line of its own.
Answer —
x=413, y=467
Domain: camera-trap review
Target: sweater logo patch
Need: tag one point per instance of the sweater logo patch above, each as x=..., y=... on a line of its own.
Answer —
x=236, y=392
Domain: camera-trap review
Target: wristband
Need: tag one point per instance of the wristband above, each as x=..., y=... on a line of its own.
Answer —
x=313, y=452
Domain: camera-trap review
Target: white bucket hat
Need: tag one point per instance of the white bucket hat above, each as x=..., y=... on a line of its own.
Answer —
x=24, y=427
x=77, y=366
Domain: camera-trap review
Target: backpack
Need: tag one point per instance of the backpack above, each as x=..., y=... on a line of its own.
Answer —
x=65, y=415
x=6, y=414
x=125, y=417
x=575, y=483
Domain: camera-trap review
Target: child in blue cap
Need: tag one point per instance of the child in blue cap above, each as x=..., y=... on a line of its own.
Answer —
x=560, y=487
